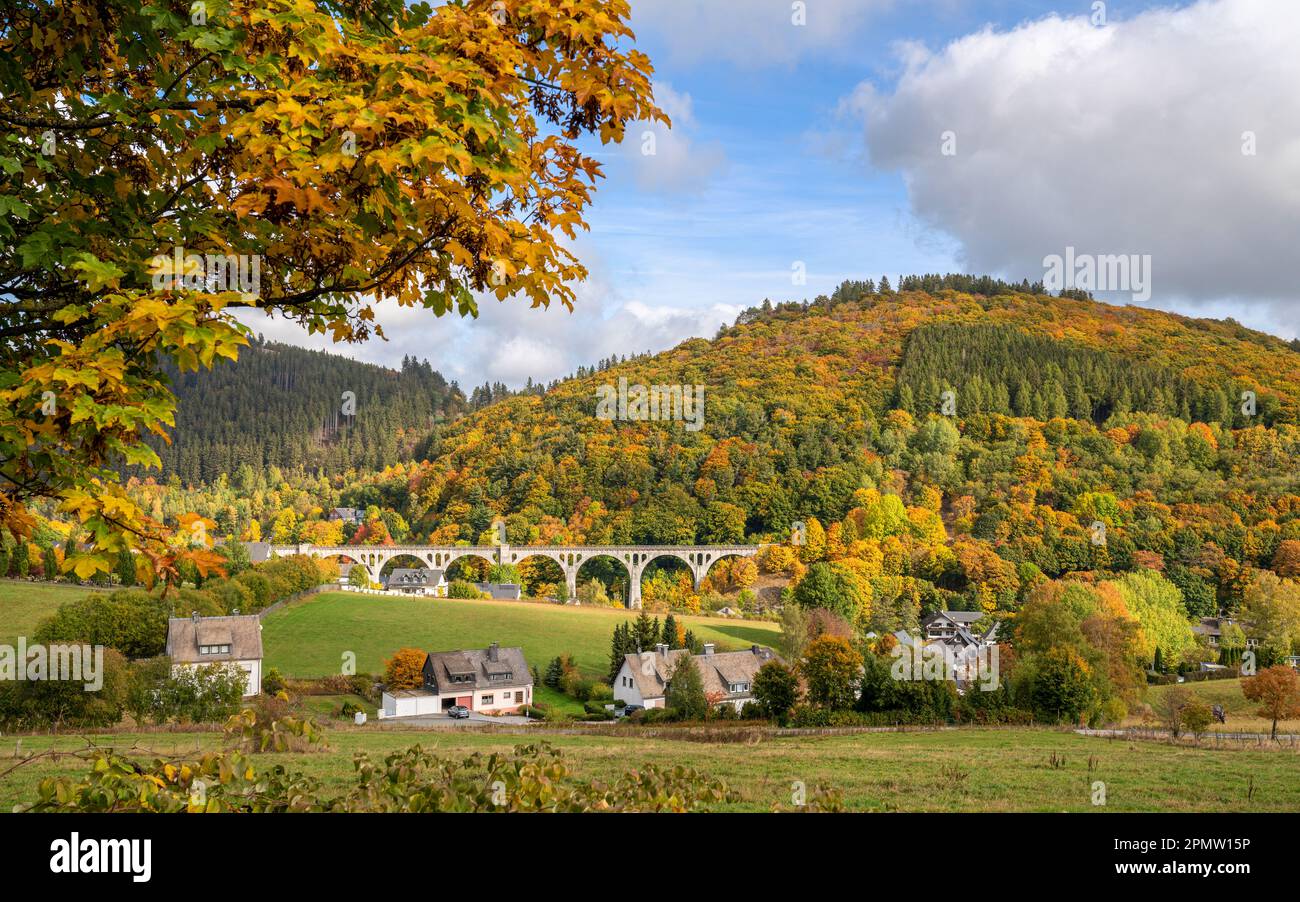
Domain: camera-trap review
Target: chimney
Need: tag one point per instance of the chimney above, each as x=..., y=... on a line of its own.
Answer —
x=493, y=652
x=194, y=616
x=708, y=648
x=661, y=648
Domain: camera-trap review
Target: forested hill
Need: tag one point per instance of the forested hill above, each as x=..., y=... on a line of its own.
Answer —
x=282, y=406
x=808, y=403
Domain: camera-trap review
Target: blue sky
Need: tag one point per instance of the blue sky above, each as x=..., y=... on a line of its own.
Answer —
x=814, y=148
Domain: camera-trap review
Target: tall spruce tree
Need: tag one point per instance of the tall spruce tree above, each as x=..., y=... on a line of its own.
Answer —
x=125, y=568
x=671, y=639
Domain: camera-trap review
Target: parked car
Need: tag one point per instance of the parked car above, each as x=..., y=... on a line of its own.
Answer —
x=458, y=711
x=629, y=710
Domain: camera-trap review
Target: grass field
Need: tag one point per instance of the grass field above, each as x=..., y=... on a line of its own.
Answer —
x=1239, y=710
x=309, y=639
x=23, y=605
x=950, y=770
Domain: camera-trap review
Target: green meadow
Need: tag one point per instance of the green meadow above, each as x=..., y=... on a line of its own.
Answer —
x=310, y=638
x=972, y=769
x=24, y=604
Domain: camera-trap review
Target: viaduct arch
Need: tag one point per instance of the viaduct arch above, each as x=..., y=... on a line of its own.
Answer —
x=635, y=558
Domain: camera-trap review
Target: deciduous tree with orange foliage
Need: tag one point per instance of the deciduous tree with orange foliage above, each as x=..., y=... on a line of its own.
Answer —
x=831, y=668
x=405, y=669
x=1277, y=689
x=1286, y=560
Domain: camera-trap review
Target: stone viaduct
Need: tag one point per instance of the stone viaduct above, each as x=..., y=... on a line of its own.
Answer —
x=634, y=558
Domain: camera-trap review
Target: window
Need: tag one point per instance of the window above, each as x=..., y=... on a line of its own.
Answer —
x=487, y=700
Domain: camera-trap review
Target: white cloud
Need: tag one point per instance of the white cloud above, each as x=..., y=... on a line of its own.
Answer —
x=510, y=342
x=1121, y=139
x=669, y=159
x=752, y=33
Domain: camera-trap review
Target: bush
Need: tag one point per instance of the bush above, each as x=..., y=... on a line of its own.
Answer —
x=272, y=682
x=47, y=704
x=198, y=601
x=808, y=716
x=461, y=589
x=1003, y=715
x=1197, y=716
x=363, y=684
x=269, y=726
x=1113, y=710
x=576, y=687
x=1201, y=676
x=653, y=715
x=258, y=586
x=597, y=711
x=203, y=694
x=234, y=597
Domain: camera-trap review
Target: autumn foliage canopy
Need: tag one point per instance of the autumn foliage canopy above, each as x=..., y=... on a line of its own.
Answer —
x=357, y=151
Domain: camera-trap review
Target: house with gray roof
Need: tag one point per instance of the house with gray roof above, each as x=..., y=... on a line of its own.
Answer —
x=946, y=626
x=1211, y=629
x=416, y=581
x=954, y=634
x=728, y=677
x=196, y=641
x=500, y=591
x=492, y=680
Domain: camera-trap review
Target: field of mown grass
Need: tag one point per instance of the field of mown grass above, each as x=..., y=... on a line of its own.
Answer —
x=949, y=770
x=24, y=604
x=309, y=639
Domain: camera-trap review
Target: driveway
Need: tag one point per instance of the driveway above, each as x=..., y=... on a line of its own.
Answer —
x=442, y=721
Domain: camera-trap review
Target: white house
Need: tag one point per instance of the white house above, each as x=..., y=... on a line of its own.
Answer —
x=493, y=680
x=195, y=641
x=422, y=581
x=947, y=626
x=728, y=677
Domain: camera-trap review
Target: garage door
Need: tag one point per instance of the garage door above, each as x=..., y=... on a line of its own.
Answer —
x=466, y=700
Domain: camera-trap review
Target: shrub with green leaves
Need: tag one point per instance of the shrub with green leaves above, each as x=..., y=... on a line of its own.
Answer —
x=459, y=588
